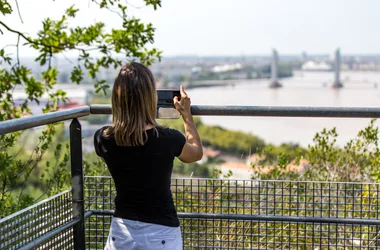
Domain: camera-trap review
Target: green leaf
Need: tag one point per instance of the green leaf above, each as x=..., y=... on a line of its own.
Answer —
x=76, y=75
x=71, y=11
x=5, y=7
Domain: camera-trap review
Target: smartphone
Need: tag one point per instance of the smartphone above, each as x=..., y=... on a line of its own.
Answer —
x=165, y=105
x=165, y=97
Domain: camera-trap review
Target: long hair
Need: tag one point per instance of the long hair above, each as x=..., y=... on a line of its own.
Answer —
x=134, y=105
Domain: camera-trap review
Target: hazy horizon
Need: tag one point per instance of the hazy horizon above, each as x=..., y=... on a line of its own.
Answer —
x=228, y=28
x=268, y=55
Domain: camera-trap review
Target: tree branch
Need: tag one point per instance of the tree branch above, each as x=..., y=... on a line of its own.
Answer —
x=29, y=40
x=9, y=45
x=18, y=50
x=50, y=185
x=134, y=6
x=18, y=10
x=109, y=9
x=67, y=58
x=62, y=48
x=16, y=32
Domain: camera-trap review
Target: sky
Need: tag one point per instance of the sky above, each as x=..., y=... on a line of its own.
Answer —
x=229, y=27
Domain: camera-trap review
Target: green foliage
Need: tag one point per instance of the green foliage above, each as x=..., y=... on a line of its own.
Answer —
x=100, y=99
x=196, y=169
x=93, y=166
x=5, y=7
x=275, y=161
x=97, y=48
x=358, y=160
x=293, y=151
x=27, y=164
x=96, y=119
x=232, y=142
x=191, y=169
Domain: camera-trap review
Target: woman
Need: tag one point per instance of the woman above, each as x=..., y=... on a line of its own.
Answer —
x=139, y=154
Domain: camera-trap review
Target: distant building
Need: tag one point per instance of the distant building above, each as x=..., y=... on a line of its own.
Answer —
x=226, y=67
x=316, y=66
x=196, y=69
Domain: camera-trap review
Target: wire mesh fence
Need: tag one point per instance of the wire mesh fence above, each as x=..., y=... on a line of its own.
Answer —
x=234, y=214
x=38, y=220
x=99, y=195
x=222, y=214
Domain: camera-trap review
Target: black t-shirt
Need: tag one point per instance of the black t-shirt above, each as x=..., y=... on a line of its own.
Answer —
x=142, y=175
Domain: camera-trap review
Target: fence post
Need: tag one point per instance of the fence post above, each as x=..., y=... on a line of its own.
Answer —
x=77, y=183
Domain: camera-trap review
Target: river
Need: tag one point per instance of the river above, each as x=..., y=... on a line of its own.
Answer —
x=303, y=89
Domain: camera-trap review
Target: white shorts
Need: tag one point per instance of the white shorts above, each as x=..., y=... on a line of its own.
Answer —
x=136, y=235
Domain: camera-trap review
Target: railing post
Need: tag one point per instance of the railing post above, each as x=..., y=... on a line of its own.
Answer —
x=77, y=183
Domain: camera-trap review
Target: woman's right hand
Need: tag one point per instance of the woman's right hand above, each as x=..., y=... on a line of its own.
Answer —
x=192, y=151
x=183, y=106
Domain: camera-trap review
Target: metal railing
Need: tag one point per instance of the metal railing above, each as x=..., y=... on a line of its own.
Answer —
x=235, y=214
x=203, y=110
x=214, y=213
x=49, y=222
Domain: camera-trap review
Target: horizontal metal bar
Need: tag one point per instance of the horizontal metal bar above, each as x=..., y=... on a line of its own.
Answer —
x=327, y=220
x=43, y=119
x=233, y=181
x=88, y=214
x=275, y=111
x=101, y=109
x=102, y=212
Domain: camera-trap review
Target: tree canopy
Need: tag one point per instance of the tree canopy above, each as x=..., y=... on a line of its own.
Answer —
x=97, y=48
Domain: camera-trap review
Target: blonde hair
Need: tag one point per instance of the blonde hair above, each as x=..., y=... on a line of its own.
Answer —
x=134, y=105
